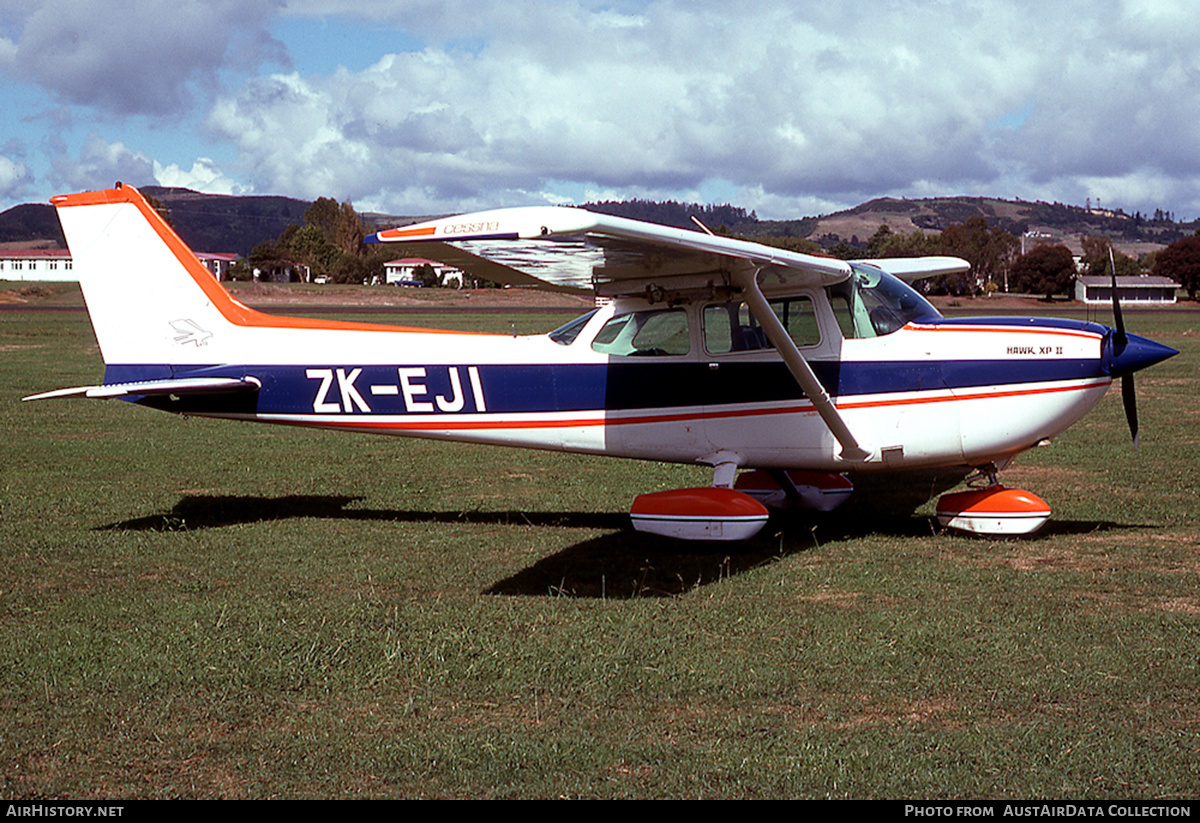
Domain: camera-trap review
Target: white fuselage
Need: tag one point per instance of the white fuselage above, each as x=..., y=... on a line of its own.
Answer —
x=929, y=394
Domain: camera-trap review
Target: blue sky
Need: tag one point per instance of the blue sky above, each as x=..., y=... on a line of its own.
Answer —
x=787, y=108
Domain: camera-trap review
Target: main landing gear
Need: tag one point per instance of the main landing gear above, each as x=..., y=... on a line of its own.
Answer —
x=720, y=512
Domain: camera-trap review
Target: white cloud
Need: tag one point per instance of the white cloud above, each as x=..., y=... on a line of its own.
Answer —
x=100, y=164
x=135, y=56
x=658, y=100
x=204, y=176
x=14, y=179
x=799, y=106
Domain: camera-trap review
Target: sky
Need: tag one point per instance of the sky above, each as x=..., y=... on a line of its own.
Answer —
x=786, y=107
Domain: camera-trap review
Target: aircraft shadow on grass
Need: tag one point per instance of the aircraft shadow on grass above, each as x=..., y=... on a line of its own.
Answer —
x=622, y=564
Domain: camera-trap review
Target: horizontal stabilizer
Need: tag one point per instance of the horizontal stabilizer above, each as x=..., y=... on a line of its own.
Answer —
x=182, y=386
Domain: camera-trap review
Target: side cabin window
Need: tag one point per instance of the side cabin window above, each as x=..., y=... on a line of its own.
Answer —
x=730, y=327
x=645, y=334
x=852, y=316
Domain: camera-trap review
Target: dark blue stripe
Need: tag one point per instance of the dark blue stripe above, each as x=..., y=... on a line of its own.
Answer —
x=137, y=373
x=626, y=386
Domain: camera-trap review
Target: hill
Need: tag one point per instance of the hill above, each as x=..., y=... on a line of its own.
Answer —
x=206, y=222
x=225, y=223
x=22, y=225
x=1055, y=222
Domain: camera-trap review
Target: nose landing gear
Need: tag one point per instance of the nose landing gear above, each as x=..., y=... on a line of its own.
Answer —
x=992, y=509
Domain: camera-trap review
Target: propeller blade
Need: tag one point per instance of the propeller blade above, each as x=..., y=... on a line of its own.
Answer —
x=1121, y=338
x=1129, y=400
x=1120, y=341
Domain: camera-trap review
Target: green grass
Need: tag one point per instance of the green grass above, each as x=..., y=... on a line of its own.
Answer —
x=192, y=608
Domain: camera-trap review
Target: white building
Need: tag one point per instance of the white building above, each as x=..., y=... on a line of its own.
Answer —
x=56, y=264
x=1146, y=289
x=36, y=264
x=403, y=272
x=217, y=263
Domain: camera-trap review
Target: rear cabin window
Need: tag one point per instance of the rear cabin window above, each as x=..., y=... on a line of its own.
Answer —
x=730, y=327
x=645, y=334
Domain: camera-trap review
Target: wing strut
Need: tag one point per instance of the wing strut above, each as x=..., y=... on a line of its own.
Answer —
x=798, y=366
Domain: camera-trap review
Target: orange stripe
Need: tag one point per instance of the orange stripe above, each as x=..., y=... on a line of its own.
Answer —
x=232, y=310
x=977, y=396
x=400, y=232
x=993, y=329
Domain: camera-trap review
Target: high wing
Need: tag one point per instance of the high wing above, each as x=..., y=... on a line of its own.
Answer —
x=575, y=250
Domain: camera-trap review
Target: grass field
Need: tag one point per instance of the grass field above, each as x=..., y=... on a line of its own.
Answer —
x=193, y=608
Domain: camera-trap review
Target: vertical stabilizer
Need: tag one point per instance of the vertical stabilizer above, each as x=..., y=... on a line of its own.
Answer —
x=149, y=297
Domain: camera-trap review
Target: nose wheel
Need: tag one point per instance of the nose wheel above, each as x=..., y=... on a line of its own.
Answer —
x=991, y=509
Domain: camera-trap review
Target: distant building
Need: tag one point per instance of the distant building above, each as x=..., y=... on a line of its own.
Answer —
x=218, y=263
x=36, y=264
x=1146, y=289
x=404, y=272
x=56, y=264
x=284, y=271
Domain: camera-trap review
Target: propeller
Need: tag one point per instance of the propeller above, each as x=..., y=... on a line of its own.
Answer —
x=1120, y=341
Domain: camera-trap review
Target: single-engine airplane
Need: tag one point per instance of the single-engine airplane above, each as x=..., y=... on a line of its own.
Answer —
x=780, y=370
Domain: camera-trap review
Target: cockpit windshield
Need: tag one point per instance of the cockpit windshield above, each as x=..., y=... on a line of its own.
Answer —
x=565, y=335
x=872, y=303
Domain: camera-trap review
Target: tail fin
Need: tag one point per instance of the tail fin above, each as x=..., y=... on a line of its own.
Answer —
x=159, y=315
x=150, y=299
